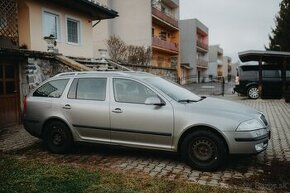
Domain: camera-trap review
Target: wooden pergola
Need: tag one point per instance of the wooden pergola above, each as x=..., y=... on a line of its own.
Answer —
x=282, y=59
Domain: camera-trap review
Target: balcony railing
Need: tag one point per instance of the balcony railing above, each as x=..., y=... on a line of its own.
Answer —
x=202, y=45
x=202, y=63
x=164, y=44
x=165, y=17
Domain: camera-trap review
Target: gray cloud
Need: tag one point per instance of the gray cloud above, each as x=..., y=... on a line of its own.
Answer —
x=236, y=25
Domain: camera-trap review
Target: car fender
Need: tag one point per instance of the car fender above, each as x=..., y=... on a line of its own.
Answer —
x=54, y=117
x=251, y=84
x=191, y=128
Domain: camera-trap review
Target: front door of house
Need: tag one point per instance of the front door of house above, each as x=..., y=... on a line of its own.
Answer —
x=9, y=94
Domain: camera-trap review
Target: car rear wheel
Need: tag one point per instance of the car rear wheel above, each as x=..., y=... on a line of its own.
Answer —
x=57, y=137
x=253, y=92
x=204, y=150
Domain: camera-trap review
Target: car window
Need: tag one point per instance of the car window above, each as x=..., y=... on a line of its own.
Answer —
x=249, y=75
x=88, y=89
x=52, y=89
x=130, y=91
x=271, y=73
x=171, y=89
x=288, y=74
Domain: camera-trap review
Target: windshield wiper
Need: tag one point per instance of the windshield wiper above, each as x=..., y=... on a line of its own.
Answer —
x=191, y=101
x=201, y=98
x=187, y=101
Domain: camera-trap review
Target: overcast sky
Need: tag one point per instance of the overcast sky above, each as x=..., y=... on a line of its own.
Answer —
x=237, y=25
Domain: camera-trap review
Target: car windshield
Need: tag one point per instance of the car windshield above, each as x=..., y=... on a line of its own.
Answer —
x=173, y=90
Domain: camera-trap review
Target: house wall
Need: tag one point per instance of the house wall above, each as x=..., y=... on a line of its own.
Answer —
x=101, y=33
x=134, y=22
x=24, y=25
x=133, y=25
x=35, y=40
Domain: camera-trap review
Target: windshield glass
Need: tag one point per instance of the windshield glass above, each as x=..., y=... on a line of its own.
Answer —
x=173, y=90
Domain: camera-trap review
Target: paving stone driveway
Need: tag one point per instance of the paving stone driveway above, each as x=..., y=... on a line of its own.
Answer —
x=162, y=164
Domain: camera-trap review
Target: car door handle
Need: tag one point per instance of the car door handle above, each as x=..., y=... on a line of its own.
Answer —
x=67, y=106
x=117, y=110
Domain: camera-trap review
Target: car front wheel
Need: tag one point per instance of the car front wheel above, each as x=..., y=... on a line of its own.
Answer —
x=57, y=137
x=204, y=150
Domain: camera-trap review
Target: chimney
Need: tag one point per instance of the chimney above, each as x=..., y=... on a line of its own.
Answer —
x=103, y=55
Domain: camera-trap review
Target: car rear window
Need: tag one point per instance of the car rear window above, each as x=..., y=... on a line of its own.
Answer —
x=53, y=89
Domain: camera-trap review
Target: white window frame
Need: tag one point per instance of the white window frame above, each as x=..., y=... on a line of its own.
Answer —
x=79, y=22
x=58, y=30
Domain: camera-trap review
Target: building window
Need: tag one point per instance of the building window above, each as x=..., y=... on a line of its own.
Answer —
x=50, y=24
x=73, y=31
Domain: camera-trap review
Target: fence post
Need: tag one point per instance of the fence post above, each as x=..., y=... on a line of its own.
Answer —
x=223, y=86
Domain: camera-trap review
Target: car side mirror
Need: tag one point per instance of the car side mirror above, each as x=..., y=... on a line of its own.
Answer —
x=154, y=101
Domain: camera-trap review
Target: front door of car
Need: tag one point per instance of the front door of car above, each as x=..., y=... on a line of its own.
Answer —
x=87, y=109
x=133, y=122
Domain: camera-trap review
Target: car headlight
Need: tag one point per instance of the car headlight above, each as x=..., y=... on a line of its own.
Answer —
x=250, y=125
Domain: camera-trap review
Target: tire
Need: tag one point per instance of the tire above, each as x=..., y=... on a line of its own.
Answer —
x=57, y=137
x=203, y=150
x=253, y=92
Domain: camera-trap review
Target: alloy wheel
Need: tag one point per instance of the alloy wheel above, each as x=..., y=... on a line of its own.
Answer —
x=253, y=93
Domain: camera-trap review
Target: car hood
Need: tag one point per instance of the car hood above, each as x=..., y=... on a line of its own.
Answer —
x=224, y=108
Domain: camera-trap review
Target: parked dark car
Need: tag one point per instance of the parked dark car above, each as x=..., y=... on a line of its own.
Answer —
x=247, y=81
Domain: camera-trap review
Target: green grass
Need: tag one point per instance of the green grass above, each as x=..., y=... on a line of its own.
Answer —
x=31, y=176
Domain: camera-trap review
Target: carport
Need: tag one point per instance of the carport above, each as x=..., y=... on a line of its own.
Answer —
x=282, y=59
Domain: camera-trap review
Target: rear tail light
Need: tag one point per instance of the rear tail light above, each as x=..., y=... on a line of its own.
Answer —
x=237, y=80
x=24, y=104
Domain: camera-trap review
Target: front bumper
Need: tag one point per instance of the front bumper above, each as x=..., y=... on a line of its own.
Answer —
x=248, y=142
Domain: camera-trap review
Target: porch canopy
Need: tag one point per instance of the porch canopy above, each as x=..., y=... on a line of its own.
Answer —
x=279, y=58
x=89, y=7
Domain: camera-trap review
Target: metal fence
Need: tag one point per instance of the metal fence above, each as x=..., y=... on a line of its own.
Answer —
x=209, y=86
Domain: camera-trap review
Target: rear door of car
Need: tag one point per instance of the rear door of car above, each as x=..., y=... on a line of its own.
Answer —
x=43, y=102
x=87, y=108
x=133, y=122
x=272, y=83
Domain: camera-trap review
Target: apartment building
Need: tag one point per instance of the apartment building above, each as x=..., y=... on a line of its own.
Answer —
x=144, y=23
x=215, y=67
x=227, y=68
x=194, y=50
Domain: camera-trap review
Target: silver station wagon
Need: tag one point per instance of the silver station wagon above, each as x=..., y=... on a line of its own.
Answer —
x=141, y=110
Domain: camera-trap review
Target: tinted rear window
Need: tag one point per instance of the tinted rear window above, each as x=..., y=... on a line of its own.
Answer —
x=52, y=89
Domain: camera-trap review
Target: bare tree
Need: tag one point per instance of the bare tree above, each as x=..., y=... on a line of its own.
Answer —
x=117, y=48
x=139, y=55
x=119, y=51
